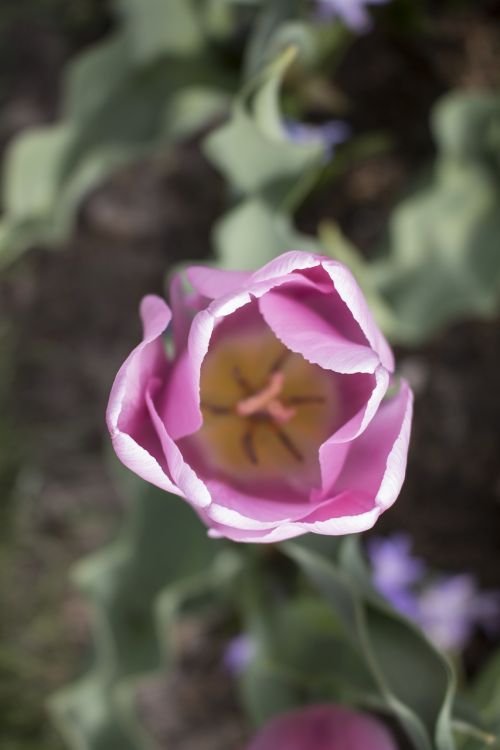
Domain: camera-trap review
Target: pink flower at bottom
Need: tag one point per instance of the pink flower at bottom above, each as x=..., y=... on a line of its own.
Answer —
x=272, y=416
x=323, y=727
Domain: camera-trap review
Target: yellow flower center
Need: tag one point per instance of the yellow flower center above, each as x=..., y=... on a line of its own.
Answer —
x=266, y=410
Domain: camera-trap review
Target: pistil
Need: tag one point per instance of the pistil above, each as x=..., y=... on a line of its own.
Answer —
x=266, y=401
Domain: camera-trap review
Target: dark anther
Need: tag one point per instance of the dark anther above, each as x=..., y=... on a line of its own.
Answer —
x=280, y=361
x=242, y=382
x=288, y=443
x=302, y=400
x=249, y=447
x=219, y=411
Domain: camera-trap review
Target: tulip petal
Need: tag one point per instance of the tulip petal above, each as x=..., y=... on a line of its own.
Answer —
x=214, y=282
x=349, y=291
x=232, y=507
x=323, y=727
x=376, y=463
x=134, y=440
x=284, y=265
x=307, y=328
x=334, y=451
x=187, y=482
x=184, y=306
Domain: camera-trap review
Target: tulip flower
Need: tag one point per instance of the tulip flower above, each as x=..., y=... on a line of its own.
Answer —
x=276, y=413
x=323, y=727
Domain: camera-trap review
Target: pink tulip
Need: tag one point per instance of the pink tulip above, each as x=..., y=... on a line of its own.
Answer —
x=272, y=416
x=323, y=727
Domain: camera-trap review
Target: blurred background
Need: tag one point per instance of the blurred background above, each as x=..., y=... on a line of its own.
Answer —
x=75, y=272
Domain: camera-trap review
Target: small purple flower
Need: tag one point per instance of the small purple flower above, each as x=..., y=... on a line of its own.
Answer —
x=450, y=609
x=394, y=567
x=239, y=653
x=330, y=134
x=395, y=571
x=352, y=12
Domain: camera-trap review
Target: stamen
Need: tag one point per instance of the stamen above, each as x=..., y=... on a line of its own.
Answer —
x=280, y=361
x=302, y=400
x=249, y=447
x=219, y=411
x=241, y=380
x=288, y=443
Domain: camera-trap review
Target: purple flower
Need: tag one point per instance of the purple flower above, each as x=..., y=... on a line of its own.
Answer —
x=450, y=609
x=271, y=415
x=394, y=567
x=352, y=12
x=239, y=653
x=447, y=610
x=395, y=571
x=330, y=134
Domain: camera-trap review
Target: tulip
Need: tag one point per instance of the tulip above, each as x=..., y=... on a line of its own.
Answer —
x=271, y=413
x=323, y=727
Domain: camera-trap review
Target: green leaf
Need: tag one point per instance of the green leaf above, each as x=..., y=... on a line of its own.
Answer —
x=32, y=171
x=253, y=234
x=252, y=150
x=157, y=27
x=485, y=693
x=444, y=262
x=147, y=86
x=93, y=76
x=270, y=21
x=162, y=544
x=413, y=680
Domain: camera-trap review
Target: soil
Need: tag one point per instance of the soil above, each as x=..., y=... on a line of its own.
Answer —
x=69, y=319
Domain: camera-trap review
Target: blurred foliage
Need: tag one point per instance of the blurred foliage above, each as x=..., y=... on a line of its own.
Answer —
x=485, y=695
x=162, y=557
x=154, y=80
x=25, y=622
x=350, y=646
x=80, y=19
x=445, y=255
x=264, y=168
x=381, y=659
x=443, y=259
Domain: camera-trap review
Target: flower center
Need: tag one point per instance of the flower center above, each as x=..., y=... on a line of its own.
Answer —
x=265, y=409
x=266, y=402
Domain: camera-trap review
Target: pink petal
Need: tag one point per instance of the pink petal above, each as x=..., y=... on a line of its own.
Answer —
x=214, y=282
x=376, y=463
x=294, y=260
x=264, y=536
x=351, y=294
x=323, y=727
x=232, y=507
x=179, y=407
x=184, y=306
x=307, y=326
x=134, y=440
x=347, y=513
x=334, y=451
x=186, y=480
